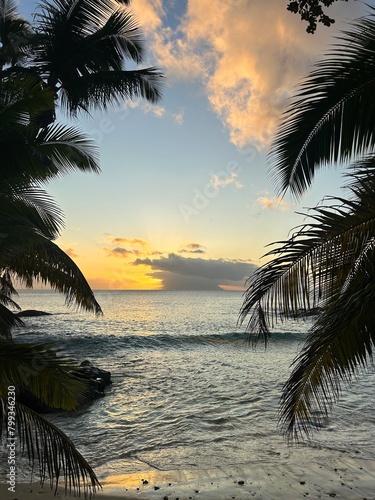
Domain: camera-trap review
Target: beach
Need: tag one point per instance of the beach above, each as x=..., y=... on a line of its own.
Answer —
x=191, y=413
x=352, y=479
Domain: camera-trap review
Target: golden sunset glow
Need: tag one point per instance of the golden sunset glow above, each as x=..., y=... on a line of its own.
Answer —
x=185, y=199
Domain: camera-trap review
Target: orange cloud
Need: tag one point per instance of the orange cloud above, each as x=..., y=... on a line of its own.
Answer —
x=275, y=203
x=131, y=241
x=192, y=248
x=71, y=252
x=248, y=56
x=121, y=252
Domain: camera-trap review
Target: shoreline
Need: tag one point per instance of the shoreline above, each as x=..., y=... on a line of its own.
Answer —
x=349, y=478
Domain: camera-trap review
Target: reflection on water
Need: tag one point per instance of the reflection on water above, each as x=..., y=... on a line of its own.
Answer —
x=188, y=391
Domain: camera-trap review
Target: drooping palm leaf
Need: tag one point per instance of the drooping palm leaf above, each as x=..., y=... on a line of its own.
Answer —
x=308, y=266
x=36, y=156
x=102, y=89
x=29, y=206
x=45, y=372
x=8, y=321
x=7, y=290
x=338, y=347
x=35, y=259
x=328, y=262
x=83, y=49
x=332, y=117
x=56, y=455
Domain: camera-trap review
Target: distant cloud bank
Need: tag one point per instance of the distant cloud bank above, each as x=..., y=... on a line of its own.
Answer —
x=187, y=273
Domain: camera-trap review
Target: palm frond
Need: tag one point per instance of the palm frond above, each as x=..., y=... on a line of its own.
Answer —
x=101, y=89
x=328, y=262
x=85, y=36
x=337, y=348
x=83, y=47
x=119, y=38
x=332, y=117
x=8, y=321
x=67, y=149
x=307, y=268
x=37, y=155
x=30, y=206
x=7, y=290
x=45, y=372
x=55, y=453
x=35, y=259
x=22, y=98
x=8, y=9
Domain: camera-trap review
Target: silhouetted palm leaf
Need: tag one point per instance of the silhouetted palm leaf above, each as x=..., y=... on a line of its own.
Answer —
x=54, y=452
x=328, y=262
x=42, y=369
x=82, y=48
x=332, y=117
x=35, y=259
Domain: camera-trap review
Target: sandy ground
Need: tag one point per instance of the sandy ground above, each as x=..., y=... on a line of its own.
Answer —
x=348, y=479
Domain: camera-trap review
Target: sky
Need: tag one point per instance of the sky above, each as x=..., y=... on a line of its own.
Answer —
x=184, y=199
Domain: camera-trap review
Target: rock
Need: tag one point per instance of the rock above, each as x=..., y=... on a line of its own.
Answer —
x=31, y=313
x=97, y=379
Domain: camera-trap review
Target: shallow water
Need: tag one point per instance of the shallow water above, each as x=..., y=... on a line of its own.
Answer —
x=188, y=391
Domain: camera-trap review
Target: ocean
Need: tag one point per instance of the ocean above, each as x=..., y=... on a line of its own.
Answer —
x=188, y=391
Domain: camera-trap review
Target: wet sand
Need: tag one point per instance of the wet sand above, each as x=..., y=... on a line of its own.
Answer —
x=348, y=478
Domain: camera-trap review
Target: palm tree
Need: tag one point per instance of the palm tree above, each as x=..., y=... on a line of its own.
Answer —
x=14, y=33
x=329, y=261
x=78, y=50
x=39, y=368
x=29, y=221
x=73, y=57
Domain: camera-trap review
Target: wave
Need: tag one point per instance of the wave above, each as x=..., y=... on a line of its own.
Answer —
x=105, y=343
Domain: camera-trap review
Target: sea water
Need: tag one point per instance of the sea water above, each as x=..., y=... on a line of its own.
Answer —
x=188, y=391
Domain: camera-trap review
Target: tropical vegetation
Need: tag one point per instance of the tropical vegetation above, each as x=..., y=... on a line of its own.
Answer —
x=328, y=264
x=312, y=12
x=71, y=59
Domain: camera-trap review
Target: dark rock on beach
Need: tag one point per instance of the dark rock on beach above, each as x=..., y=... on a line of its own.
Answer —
x=31, y=313
x=97, y=379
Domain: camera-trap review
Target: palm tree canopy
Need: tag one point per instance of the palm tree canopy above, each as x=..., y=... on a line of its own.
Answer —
x=53, y=450
x=14, y=32
x=82, y=46
x=332, y=117
x=43, y=370
x=328, y=262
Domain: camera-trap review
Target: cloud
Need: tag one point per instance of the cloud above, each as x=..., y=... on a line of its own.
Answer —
x=275, y=203
x=193, y=248
x=217, y=182
x=134, y=247
x=186, y=273
x=121, y=252
x=71, y=252
x=130, y=241
x=248, y=55
x=157, y=111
